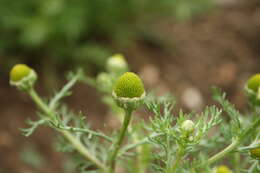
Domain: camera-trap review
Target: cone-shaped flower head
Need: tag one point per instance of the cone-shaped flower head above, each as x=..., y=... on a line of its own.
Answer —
x=22, y=76
x=129, y=89
x=222, y=169
x=19, y=71
x=254, y=82
x=129, y=85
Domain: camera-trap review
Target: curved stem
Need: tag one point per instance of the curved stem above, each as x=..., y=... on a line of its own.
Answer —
x=117, y=145
x=224, y=152
x=72, y=139
x=234, y=143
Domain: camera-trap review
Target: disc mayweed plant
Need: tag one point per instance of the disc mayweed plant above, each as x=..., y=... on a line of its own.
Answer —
x=218, y=140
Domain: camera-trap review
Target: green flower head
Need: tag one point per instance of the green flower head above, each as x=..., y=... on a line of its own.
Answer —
x=22, y=76
x=255, y=152
x=19, y=71
x=129, y=85
x=254, y=82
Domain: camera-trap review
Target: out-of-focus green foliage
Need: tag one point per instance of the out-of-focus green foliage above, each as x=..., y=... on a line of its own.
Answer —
x=69, y=31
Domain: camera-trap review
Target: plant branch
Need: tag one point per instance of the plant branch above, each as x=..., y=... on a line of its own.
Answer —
x=72, y=139
x=64, y=91
x=76, y=129
x=141, y=142
x=178, y=158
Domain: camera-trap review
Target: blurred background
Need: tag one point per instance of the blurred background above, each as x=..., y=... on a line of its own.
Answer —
x=179, y=46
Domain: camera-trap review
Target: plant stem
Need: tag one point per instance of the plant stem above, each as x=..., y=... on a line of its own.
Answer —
x=72, y=139
x=41, y=105
x=141, y=142
x=224, y=152
x=177, y=160
x=117, y=145
x=234, y=143
x=237, y=162
x=168, y=158
x=88, y=131
x=63, y=91
x=82, y=150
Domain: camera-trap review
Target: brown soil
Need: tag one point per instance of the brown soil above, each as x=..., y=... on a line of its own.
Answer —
x=219, y=49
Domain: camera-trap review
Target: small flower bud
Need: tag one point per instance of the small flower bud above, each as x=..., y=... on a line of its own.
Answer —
x=254, y=83
x=19, y=71
x=104, y=82
x=129, y=90
x=222, y=169
x=188, y=126
x=255, y=152
x=22, y=76
x=117, y=64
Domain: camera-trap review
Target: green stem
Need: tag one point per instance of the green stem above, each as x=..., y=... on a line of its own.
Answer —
x=224, y=152
x=168, y=159
x=177, y=160
x=117, y=145
x=234, y=143
x=41, y=105
x=141, y=142
x=237, y=162
x=63, y=91
x=72, y=139
x=88, y=131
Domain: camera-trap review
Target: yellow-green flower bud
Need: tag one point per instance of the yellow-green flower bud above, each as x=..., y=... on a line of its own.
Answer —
x=255, y=152
x=22, y=76
x=19, y=71
x=254, y=82
x=188, y=126
x=129, y=90
x=117, y=64
x=222, y=169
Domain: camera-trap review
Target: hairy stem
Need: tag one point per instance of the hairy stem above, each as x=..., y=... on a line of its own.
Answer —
x=72, y=139
x=117, y=145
